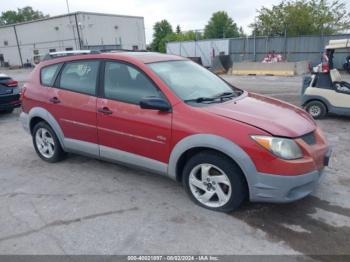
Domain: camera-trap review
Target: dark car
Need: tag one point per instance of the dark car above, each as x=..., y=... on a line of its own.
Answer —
x=9, y=94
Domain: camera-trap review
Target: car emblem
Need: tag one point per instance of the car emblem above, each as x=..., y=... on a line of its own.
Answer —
x=162, y=138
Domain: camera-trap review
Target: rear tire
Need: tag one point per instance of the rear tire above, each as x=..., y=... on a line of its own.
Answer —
x=316, y=109
x=46, y=143
x=214, y=181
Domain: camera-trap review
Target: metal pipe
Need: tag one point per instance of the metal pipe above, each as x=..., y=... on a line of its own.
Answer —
x=67, y=6
x=285, y=42
x=76, y=24
x=19, y=48
x=254, y=47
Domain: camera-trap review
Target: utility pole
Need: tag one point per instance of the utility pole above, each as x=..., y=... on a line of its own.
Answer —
x=72, y=25
x=77, y=25
x=67, y=6
x=18, y=46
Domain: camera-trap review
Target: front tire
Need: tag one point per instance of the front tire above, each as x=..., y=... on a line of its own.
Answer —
x=46, y=143
x=316, y=109
x=214, y=181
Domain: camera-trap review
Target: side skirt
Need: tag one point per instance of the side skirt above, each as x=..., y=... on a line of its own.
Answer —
x=119, y=156
x=115, y=155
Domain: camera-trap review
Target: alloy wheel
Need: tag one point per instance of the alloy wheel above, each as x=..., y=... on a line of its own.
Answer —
x=45, y=142
x=315, y=110
x=210, y=185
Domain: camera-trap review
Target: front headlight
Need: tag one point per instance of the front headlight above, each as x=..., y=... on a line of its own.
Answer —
x=282, y=147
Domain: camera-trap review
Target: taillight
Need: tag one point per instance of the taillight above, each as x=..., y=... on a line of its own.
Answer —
x=11, y=83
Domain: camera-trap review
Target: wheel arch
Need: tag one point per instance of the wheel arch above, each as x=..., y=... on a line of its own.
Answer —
x=35, y=120
x=199, y=142
x=309, y=98
x=38, y=114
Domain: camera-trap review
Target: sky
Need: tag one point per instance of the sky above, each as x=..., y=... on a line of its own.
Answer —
x=189, y=14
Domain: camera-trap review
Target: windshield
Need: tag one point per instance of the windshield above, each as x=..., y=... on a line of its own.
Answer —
x=192, y=82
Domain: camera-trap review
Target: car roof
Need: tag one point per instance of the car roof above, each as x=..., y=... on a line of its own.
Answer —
x=4, y=76
x=152, y=57
x=143, y=57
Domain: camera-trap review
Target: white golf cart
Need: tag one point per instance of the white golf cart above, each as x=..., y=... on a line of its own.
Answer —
x=325, y=92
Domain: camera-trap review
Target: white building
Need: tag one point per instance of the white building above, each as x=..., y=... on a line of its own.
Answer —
x=80, y=30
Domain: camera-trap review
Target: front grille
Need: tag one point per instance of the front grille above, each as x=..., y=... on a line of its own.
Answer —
x=8, y=99
x=309, y=138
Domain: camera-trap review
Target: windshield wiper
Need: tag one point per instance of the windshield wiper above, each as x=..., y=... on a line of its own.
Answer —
x=201, y=99
x=225, y=95
x=220, y=96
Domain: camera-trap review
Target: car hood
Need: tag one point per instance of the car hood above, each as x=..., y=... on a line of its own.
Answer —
x=272, y=115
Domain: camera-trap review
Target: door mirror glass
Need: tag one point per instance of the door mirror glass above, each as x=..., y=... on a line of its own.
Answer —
x=155, y=103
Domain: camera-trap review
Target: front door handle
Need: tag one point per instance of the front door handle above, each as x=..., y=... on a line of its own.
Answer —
x=54, y=100
x=105, y=111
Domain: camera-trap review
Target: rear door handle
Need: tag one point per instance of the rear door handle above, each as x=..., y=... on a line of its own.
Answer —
x=54, y=100
x=105, y=111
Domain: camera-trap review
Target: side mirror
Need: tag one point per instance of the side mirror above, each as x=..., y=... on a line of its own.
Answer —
x=155, y=103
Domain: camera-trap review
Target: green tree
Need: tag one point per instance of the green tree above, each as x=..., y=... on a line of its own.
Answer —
x=21, y=15
x=302, y=17
x=178, y=29
x=161, y=30
x=221, y=25
x=241, y=32
x=190, y=35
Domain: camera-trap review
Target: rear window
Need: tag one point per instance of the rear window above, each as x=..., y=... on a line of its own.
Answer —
x=48, y=74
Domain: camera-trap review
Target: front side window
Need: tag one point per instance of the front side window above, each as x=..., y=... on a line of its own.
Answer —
x=80, y=77
x=126, y=83
x=48, y=74
x=190, y=81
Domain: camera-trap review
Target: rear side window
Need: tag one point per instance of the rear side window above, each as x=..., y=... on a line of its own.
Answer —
x=48, y=74
x=127, y=84
x=80, y=77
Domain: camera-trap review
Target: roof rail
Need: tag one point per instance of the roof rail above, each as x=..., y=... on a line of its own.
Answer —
x=53, y=55
x=120, y=50
x=59, y=54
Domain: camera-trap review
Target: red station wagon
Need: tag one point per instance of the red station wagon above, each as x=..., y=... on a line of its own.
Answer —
x=169, y=115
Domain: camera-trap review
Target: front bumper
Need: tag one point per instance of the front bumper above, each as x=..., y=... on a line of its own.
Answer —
x=284, y=189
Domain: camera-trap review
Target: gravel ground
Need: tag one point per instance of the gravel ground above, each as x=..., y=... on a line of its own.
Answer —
x=87, y=206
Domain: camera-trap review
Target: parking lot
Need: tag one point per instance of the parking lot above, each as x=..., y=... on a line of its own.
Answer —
x=87, y=206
